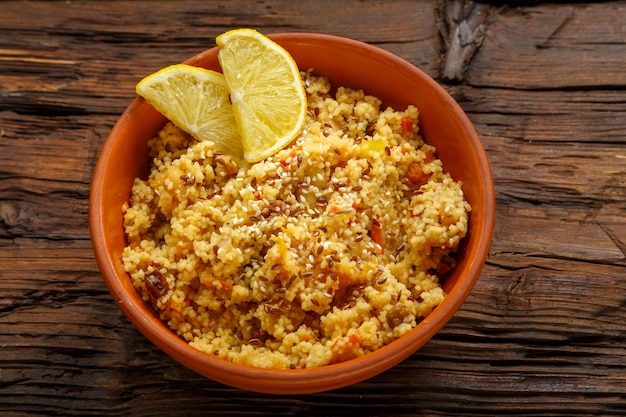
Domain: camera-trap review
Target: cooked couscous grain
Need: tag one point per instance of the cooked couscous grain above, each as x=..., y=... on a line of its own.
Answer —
x=325, y=251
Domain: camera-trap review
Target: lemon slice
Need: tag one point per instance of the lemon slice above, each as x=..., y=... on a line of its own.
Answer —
x=197, y=101
x=266, y=91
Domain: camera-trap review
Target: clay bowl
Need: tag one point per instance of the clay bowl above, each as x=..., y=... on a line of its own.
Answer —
x=347, y=63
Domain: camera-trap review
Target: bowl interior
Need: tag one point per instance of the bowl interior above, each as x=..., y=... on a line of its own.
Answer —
x=347, y=63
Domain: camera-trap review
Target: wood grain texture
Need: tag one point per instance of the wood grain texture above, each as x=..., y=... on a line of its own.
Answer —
x=541, y=334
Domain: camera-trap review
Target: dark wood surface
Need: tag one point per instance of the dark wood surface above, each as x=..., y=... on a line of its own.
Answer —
x=544, y=331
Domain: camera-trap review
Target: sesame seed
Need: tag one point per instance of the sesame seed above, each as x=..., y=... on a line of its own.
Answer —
x=255, y=342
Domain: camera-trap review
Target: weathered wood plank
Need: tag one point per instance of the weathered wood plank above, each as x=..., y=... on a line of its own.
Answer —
x=578, y=46
x=542, y=332
x=109, y=46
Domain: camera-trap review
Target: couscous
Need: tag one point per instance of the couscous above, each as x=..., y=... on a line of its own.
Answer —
x=323, y=252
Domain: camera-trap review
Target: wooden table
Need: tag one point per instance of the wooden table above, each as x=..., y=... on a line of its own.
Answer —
x=544, y=331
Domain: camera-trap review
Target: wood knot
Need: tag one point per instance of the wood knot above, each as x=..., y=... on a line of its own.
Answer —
x=9, y=214
x=462, y=28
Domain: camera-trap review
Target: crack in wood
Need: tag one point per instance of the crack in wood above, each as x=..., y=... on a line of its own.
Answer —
x=462, y=27
x=613, y=237
x=34, y=298
x=515, y=297
x=547, y=43
x=39, y=104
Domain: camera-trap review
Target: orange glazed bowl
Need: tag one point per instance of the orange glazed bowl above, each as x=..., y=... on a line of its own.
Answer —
x=345, y=62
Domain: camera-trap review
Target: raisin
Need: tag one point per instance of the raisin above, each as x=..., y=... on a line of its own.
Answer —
x=416, y=175
x=396, y=315
x=257, y=333
x=156, y=284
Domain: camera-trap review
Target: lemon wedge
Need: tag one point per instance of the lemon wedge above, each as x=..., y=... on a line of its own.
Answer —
x=197, y=101
x=266, y=91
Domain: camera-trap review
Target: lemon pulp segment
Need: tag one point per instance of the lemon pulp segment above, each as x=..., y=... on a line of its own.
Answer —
x=197, y=101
